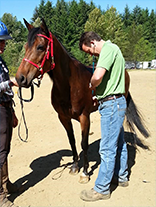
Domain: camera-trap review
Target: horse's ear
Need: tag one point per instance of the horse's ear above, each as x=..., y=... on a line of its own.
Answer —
x=44, y=27
x=29, y=26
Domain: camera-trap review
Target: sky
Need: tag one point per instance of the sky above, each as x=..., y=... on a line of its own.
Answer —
x=25, y=8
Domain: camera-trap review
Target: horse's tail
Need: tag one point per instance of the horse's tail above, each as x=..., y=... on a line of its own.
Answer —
x=134, y=118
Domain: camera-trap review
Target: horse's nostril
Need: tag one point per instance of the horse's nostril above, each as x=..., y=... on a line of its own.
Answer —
x=23, y=80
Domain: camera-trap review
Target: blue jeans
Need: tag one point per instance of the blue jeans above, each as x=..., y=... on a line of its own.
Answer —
x=113, y=148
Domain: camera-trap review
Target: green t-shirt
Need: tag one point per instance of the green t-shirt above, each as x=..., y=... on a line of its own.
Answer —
x=113, y=81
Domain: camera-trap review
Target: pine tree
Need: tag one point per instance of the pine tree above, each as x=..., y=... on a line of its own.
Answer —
x=145, y=23
x=108, y=25
x=136, y=15
x=152, y=29
x=60, y=21
x=126, y=17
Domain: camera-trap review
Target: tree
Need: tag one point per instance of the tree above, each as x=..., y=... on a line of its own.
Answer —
x=41, y=11
x=136, y=15
x=126, y=17
x=152, y=30
x=94, y=22
x=76, y=52
x=142, y=51
x=13, y=47
x=37, y=22
x=72, y=25
x=144, y=21
x=108, y=25
x=35, y=15
x=60, y=21
x=45, y=11
x=135, y=33
x=48, y=15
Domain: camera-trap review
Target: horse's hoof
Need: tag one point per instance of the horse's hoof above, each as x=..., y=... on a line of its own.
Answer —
x=74, y=170
x=84, y=179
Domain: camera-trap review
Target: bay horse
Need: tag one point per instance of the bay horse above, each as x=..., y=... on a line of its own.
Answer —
x=70, y=95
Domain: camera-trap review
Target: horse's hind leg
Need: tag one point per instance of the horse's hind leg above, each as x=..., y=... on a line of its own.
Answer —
x=66, y=122
x=85, y=125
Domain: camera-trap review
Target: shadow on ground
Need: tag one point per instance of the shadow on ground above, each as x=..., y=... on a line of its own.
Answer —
x=43, y=166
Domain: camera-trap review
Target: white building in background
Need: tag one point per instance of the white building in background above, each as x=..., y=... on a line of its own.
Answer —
x=153, y=64
x=144, y=65
x=141, y=65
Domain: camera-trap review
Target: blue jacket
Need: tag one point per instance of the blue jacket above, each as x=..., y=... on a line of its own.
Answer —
x=6, y=93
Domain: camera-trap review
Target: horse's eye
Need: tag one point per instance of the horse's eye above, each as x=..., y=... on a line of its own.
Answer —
x=40, y=47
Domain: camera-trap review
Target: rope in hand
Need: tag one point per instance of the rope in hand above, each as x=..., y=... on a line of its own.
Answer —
x=93, y=63
x=23, y=115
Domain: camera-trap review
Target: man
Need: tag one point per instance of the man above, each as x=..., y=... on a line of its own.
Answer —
x=8, y=120
x=109, y=81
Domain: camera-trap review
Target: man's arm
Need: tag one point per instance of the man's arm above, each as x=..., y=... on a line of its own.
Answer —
x=97, y=77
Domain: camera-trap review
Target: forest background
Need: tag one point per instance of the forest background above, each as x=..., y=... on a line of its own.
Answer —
x=134, y=32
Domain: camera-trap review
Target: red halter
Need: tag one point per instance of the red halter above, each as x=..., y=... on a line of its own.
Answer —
x=46, y=56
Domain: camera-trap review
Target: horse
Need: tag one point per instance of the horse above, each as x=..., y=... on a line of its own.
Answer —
x=70, y=94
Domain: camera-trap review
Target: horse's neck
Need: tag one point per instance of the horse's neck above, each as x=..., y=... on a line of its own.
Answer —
x=61, y=72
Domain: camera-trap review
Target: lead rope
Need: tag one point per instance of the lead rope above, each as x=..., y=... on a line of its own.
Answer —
x=93, y=63
x=23, y=115
x=93, y=70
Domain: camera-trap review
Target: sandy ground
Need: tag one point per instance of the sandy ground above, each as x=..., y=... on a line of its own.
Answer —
x=40, y=163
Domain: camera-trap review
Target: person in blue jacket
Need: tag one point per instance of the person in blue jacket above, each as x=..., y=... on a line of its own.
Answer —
x=8, y=120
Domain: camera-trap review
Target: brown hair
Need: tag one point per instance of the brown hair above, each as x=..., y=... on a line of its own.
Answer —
x=87, y=37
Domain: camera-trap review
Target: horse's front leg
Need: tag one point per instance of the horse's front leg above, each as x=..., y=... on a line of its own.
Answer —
x=85, y=126
x=66, y=122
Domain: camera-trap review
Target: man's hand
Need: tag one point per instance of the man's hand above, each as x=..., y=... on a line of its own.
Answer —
x=90, y=85
x=95, y=101
x=13, y=83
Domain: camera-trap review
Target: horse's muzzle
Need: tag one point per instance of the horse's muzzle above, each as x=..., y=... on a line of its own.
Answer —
x=23, y=81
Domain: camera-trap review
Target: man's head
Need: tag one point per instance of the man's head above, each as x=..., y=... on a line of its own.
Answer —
x=88, y=41
x=4, y=35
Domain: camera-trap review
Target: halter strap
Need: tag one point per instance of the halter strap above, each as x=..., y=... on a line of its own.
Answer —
x=46, y=56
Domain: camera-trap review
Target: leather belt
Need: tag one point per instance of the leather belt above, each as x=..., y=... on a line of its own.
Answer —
x=111, y=97
x=7, y=104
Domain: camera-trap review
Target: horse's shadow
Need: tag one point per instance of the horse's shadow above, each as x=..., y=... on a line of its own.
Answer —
x=42, y=166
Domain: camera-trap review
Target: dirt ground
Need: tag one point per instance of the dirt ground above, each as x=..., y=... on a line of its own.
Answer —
x=40, y=163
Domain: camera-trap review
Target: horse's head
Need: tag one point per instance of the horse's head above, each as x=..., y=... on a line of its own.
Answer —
x=38, y=57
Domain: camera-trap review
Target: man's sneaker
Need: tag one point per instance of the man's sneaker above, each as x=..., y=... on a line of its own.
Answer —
x=123, y=184
x=92, y=195
x=4, y=202
x=10, y=188
x=119, y=183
